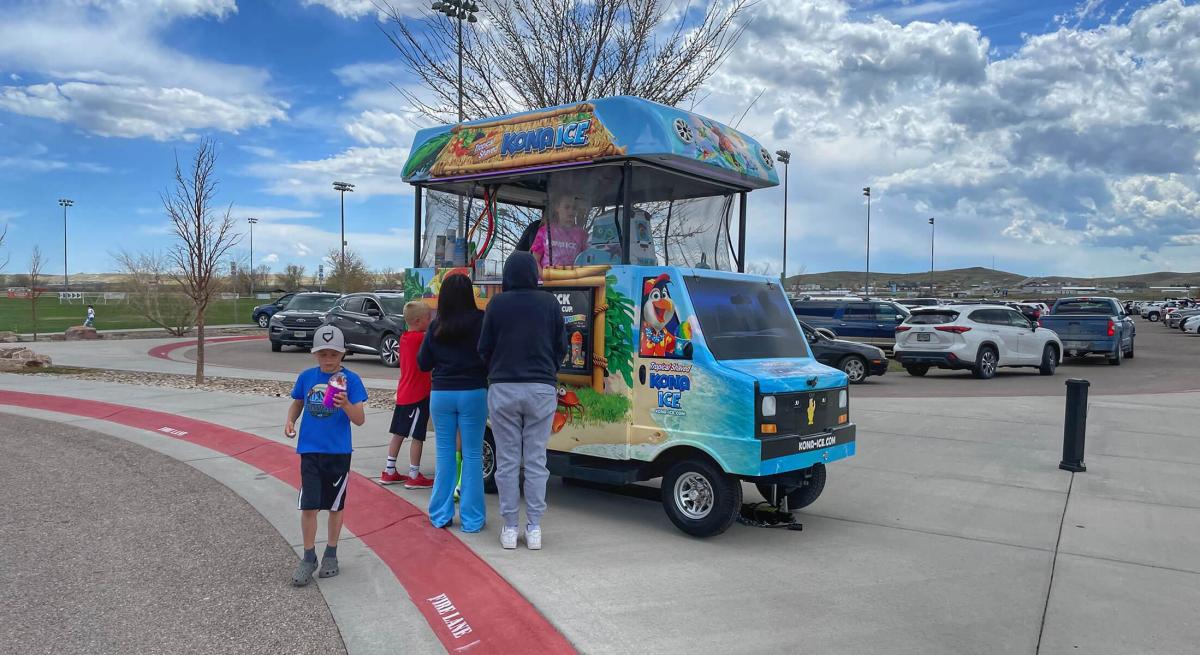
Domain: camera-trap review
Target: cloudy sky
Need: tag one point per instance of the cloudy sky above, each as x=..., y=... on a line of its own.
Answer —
x=1056, y=137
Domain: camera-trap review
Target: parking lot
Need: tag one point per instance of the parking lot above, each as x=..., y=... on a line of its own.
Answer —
x=1164, y=363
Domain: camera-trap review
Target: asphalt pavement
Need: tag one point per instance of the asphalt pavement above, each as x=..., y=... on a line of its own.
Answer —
x=108, y=547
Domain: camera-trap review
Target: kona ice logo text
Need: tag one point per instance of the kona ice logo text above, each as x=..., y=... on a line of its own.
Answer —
x=670, y=390
x=568, y=135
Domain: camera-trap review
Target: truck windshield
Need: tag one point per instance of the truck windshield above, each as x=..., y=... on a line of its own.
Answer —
x=744, y=319
x=312, y=303
x=1083, y=307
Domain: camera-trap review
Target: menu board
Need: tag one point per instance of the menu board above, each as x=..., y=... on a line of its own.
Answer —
x=576, y=306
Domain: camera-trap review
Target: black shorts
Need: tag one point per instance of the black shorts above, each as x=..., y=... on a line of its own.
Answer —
x=411, y=420
x=323, y=481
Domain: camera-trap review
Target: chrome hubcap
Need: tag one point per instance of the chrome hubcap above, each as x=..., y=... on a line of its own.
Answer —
x=693, y=495
x=262, y=321
x=389, y=350
x=854, y=370
x=989, y=362
x=489, y=459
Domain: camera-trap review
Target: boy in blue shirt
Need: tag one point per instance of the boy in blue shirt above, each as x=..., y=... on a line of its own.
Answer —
x=324, y=445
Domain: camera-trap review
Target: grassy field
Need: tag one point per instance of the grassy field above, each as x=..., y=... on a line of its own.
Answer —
x=16, y=316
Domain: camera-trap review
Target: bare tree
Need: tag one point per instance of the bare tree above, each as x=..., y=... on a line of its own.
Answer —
x=204, y=236
x=389, y=278
x=552, y=52
x=356, y=275
x=35, y=274
x=292, y=278
x=153, y=292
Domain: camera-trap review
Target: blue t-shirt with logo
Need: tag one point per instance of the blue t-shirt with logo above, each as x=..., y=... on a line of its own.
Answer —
x=325, y=429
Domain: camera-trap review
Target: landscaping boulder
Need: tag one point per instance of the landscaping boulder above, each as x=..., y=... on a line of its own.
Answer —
x=19, y=358
x=81, y=333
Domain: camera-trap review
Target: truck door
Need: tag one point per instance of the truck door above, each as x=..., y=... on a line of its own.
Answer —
x=662, y=354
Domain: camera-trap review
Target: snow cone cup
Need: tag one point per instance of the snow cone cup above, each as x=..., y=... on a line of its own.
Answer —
x=336, y=385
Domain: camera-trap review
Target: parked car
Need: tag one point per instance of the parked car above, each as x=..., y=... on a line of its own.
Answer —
x=294, y=326
x=1175, y=320
x=1154, y=311
x=979, y=338
x=372, y=324
x=913, y=303
x=1192, y=325
x=866, y=321
x=262, y=314
x=1092, y=326
x=856, y=360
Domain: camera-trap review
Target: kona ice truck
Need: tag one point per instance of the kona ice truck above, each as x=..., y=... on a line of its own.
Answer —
x=679, y=366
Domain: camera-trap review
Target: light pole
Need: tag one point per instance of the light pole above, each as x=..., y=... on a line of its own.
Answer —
x=252, y=221
x=64, y=203
x=459, y=11
x=932, y=230
x=343, y=187
x=867, y=281
x=785, y=158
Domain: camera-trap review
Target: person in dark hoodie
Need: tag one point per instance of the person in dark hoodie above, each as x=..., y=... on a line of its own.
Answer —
x=457, y=403
x=522, y=342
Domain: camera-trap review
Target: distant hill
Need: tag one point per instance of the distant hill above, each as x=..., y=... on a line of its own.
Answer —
x=966, y=278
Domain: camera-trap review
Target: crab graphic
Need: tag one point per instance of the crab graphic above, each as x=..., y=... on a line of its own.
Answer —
x=569, y=409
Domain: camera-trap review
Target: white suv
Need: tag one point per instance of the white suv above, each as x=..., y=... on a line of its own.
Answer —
x=981, y=338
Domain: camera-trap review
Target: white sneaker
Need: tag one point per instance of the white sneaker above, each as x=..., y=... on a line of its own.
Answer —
x=508, y=538
x=533, y=538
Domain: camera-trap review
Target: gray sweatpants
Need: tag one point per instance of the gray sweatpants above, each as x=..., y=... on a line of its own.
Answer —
x=521, y=414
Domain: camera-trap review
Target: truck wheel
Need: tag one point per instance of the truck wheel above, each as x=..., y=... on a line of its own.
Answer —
x=489, y=462
x=917, y=370
x=985, y=363
x=263, y=320
x=1049, y=360
x=1153, y=316
x=1129, y=355
x=389, y=351
x=804, y=495
x=1115, y=360
x=276, y=346
x=854, y=367
x=699, y=498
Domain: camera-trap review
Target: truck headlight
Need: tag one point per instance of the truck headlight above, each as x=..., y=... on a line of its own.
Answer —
x=768, y=406
x=843, y=398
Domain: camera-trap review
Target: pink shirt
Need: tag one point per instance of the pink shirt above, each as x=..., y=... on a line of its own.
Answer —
x=567, y=243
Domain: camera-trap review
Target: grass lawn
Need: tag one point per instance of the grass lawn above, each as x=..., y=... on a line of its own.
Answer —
x=15, y=315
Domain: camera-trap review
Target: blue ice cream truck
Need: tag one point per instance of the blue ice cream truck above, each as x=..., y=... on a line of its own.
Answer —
x=679, y=366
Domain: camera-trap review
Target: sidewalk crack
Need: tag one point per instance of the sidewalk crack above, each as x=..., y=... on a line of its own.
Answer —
x=1054, y=565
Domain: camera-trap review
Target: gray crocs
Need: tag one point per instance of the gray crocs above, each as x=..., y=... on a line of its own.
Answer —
x=329, y=567
x=303, y=574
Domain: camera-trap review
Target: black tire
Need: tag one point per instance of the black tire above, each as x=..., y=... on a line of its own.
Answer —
x=276, y=346
x=855, y=368
x=1129, y=355
x=804, y=495
x=986, y=361
x=489, y=462
x=917, y=370
x=1049, y=360
x=389, y=350
x=263, y=320
x=699, y=498
x=1115, y=360
x=1153, y=317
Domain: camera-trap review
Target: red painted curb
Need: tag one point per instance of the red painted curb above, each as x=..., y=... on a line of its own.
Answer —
x=164, y=351
x=466, y=602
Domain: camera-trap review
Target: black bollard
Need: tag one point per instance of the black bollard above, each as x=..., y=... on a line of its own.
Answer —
x=1075, y=426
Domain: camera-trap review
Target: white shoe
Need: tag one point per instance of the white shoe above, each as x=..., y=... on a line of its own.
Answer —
x=508, y=538
x=533, y=538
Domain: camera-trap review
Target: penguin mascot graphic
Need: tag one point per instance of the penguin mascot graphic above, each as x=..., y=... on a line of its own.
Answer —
x=660, y=323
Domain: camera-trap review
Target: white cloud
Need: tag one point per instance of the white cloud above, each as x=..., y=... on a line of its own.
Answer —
x=119, y=77
x=301, y=249
x=242, y=212
x=377, y=127
x=373, y=171
x=346, y=8
x=46, y=165
x=270, y=259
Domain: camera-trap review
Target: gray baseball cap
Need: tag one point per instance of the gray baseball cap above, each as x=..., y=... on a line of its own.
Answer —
x=329, y=337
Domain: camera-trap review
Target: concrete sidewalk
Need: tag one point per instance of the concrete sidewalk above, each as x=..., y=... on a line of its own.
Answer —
x=952, y=531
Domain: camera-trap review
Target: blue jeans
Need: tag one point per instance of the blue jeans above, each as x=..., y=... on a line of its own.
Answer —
x=456, y=412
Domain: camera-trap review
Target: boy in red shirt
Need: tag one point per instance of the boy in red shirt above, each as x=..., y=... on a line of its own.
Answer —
x=411, y=416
